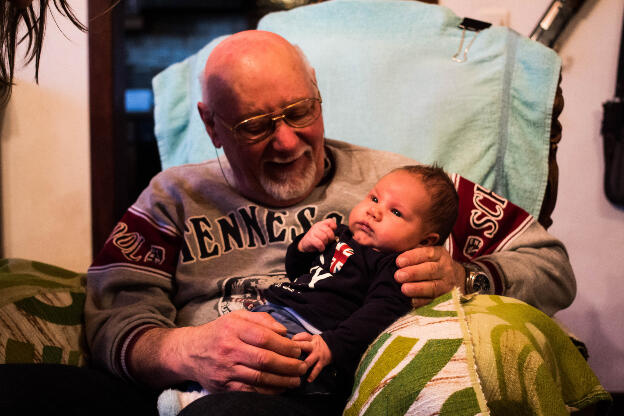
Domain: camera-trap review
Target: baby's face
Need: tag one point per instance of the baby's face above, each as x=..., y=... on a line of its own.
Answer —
x=390, y=217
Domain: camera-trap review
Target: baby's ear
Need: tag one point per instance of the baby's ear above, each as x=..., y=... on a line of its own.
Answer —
x=430, y=239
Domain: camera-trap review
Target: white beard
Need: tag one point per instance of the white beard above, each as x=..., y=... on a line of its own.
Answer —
x=287, y=187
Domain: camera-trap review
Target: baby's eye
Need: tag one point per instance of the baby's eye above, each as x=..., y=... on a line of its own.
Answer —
x=374, y=199
x=396, y=212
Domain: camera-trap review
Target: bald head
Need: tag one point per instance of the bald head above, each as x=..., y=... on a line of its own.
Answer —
x=249, y=63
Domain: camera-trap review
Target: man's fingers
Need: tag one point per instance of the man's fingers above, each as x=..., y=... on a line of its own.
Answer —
x=422, y=290
x=246, y=379
x=256, y=367
x=237, y=386
x=265, y=350
x=268, y=334
x=243, y=349
x=265, y=380
x=269, y=341
x=263, y=319
x=420, y=272
x=270, y=391
x=417, y=303
x=428, y=272
x=419, y=255
x=306, y=346
x=419, y=264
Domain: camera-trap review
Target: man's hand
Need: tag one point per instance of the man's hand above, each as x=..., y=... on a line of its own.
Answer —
x=428, y=272
x=243, y=350
x=319, y=353
x=318, y=236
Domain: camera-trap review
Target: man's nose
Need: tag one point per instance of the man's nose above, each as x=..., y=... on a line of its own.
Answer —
x=285, y=137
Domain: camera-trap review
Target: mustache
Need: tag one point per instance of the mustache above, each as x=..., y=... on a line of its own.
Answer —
x=306, y=151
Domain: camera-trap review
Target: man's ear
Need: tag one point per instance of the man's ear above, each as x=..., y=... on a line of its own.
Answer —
x=209, y=123
x=313, y=71
x=430, y=239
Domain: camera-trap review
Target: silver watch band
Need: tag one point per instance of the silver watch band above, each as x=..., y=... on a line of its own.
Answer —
x=477, y=280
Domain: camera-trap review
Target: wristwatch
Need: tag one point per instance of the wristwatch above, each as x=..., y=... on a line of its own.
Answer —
x=476, y=280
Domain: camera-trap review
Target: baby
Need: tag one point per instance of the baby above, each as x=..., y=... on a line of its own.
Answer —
x=342, y=291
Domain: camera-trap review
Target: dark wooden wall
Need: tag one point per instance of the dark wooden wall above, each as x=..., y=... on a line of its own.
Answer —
x=106, y=99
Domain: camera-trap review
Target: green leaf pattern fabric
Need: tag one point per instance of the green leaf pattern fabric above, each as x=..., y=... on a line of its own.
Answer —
x=474, y=355
x=422, y=364
x=41, y=313
x=527, y=363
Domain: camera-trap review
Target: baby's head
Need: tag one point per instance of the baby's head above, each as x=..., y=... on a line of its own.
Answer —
x=409, y=207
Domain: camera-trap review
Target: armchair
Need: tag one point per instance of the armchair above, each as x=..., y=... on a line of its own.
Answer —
x=386, y=72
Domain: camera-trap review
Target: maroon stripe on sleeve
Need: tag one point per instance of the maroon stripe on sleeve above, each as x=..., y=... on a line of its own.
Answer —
x=124, y=348
x=138, y=241
x=486, y=222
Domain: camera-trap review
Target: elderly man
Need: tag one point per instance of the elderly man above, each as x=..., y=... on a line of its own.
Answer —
x=169, y=294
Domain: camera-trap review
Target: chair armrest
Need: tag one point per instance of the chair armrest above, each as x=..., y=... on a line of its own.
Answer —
x=550, y=195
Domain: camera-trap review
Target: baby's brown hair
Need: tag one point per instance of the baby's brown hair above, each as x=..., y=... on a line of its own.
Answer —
x=442, y=213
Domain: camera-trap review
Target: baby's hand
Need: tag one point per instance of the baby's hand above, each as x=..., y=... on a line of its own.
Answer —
x=318, y=352
x=318, y=236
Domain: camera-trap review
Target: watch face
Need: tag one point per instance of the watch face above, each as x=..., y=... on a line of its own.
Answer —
x=481, y=284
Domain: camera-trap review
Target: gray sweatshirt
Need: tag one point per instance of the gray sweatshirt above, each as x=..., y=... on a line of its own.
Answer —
x=192, y=249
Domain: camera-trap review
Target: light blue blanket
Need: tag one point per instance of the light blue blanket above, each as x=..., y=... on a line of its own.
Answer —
x=388, y=81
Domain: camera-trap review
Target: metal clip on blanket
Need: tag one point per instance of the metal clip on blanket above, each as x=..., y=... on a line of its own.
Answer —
x=473, y=26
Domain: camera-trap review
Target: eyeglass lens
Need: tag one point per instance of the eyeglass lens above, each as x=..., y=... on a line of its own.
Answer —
x=299, y=114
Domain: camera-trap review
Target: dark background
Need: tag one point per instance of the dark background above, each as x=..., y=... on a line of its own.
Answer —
x=129, y=43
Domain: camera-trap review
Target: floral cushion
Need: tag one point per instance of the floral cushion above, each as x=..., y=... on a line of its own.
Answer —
x=472, y=355
x=41, y=313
